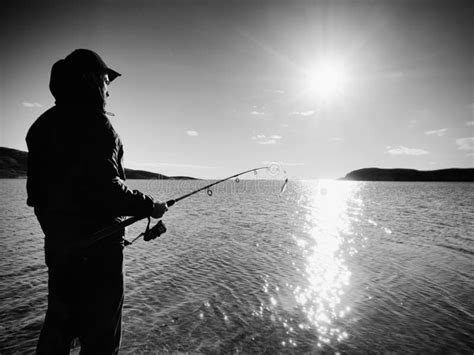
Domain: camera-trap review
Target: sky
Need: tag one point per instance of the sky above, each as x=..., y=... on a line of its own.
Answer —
x=210, y=88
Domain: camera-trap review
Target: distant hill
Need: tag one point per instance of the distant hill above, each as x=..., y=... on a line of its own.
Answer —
x=376, y=174
x=13, y=164
x=144, y=175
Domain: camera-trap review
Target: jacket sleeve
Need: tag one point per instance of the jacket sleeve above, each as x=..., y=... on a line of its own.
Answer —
x=106, y=191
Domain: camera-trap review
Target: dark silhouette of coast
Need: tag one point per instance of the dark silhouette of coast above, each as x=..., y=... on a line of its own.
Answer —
x=13, y=165
x=377, y=174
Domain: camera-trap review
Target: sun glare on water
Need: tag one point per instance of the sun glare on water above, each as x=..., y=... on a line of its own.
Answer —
x=330, y=240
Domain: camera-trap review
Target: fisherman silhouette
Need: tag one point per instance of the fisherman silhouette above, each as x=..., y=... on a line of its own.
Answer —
x=76, y=184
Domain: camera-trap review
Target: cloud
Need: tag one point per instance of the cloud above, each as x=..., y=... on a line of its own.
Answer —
x=336, y=139
x=192, y=133
x=262, y=139
x=302, y=113
x=401, y=150
x=259, y=112
x=437, y=132
x=268, y=141
x=465, y=143
x=470, y=123
x=31, y=104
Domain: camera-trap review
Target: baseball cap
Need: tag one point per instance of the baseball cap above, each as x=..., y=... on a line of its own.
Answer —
x=83, y=60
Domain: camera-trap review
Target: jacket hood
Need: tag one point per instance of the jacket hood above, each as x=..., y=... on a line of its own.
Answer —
x=72, y=82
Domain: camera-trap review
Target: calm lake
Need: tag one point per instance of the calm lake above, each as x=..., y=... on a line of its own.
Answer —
x=329, y=266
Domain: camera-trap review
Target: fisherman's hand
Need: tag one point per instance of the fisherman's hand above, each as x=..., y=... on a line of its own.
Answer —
x=159, y=209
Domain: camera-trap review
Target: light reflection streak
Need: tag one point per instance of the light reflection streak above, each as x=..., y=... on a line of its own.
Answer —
x=327, y=243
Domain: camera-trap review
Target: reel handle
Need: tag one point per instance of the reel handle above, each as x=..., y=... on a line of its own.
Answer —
x=155, y=231
x=158, y=229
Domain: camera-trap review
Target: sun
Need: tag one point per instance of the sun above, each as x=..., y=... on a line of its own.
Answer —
x=327, y=79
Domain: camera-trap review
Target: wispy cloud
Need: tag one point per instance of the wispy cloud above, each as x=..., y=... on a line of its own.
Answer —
x=302, y=113
x=336, y=139
x=465, y=143
x=470, y=123
x=192, y=133
x=268, y=142
x=32, y=104
x=401, y=150
x=437, y=132
x=263, y=139
x=257, y=113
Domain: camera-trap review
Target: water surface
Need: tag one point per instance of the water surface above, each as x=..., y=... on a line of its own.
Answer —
x=328, y=266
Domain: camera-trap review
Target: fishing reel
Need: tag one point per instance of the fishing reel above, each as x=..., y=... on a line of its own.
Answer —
x=155, y=231
x=149, y=233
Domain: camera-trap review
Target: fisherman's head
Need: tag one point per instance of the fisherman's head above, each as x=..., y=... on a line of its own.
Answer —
x=81, y=78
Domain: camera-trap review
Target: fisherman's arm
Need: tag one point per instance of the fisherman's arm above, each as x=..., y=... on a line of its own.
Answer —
x=109, y=191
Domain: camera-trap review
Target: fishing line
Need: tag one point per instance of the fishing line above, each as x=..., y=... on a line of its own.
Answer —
x=159, y=228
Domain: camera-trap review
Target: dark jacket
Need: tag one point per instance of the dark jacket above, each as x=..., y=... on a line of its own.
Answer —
x=75, y=171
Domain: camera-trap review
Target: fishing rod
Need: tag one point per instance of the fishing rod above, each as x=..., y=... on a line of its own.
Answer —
x=159, y=228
